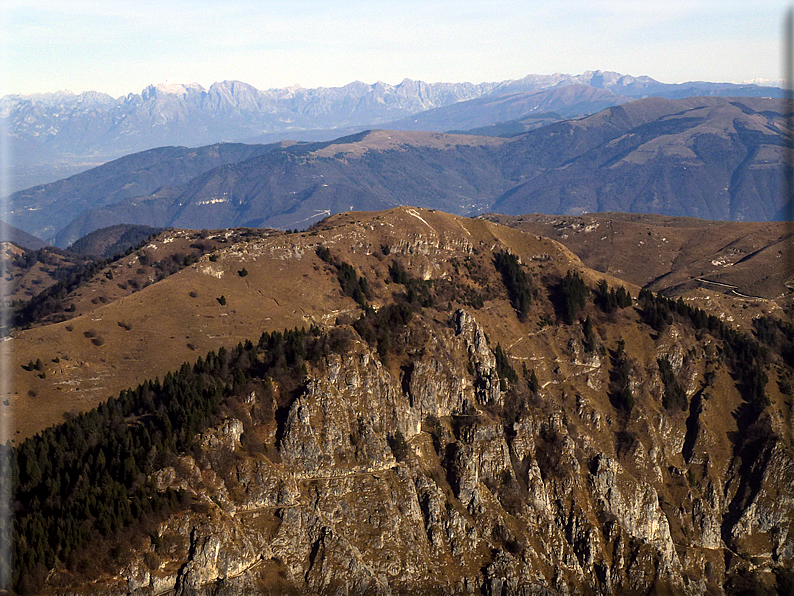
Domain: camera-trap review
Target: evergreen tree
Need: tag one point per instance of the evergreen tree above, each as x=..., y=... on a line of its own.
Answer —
x=516, y=281
x=573, y=296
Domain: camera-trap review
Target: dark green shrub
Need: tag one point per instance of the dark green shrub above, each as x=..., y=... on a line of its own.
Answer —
x=573, y=294
x=674, y=397
x=399, y=446
x=503, y=368
x=589, y=335
x=516, y=281
x=397, y=274
x=620, y=393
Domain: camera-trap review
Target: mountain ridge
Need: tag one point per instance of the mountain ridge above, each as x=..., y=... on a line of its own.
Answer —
x=66, y=129
x=710, y=157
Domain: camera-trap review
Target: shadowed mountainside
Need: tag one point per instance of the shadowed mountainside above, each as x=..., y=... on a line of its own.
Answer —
x=9, y=233
x=49, y=207
x=699, y=157
x=706, y=157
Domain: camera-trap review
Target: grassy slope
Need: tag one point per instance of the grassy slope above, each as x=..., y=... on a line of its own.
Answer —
x=287, y=285
x=670, y=254
x=23, y=283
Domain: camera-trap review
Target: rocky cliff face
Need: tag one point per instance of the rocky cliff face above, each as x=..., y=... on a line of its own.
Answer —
x=428, y=474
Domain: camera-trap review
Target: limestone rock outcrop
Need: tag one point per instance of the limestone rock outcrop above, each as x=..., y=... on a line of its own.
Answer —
x=557, y=499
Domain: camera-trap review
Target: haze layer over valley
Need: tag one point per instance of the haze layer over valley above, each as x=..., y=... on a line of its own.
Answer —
x=712, y=158
x=54, y=135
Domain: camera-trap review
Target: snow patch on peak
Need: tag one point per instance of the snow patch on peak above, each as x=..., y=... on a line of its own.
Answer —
x=48, y=98
x=764, y=82
x=174, y=87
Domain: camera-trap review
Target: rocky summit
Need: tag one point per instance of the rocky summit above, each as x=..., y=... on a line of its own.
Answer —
x=467, y=409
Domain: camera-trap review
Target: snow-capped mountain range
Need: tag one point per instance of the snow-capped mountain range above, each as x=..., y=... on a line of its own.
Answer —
x=57, y=134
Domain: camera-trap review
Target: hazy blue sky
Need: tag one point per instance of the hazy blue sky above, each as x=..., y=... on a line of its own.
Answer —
x=119, y=47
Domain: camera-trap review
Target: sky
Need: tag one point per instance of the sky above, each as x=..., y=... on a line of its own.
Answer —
x=120, y=47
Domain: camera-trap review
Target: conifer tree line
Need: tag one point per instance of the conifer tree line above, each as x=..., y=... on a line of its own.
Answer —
x=89, y=476
x=352, y=285
x=574, y=292
x=744, y=354
x=516, y=281
x=610, y=300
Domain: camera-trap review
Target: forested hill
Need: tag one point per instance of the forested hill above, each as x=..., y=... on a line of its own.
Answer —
x=455, y=406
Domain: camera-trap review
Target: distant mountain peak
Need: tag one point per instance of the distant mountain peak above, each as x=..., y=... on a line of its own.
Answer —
x=175, y=87
x=764, y=82
x=294, y=87
x=47, y=98
x=55, y=133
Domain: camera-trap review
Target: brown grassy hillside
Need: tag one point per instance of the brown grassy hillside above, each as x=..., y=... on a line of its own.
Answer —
x=27, y=272
x=750, y=262
x=467, y=408
x=120, y=337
